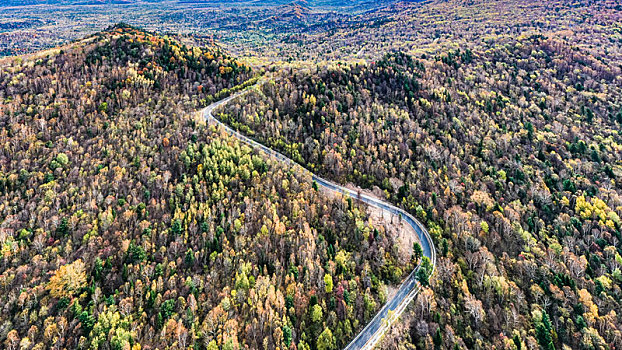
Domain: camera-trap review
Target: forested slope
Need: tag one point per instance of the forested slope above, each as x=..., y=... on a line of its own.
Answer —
x=126, y=222
x=510, y=152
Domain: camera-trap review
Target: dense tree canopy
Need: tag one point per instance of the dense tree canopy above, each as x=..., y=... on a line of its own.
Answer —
x=511, y=154
x=129, y=223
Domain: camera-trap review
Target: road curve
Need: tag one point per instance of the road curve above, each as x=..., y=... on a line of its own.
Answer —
x=392, y=309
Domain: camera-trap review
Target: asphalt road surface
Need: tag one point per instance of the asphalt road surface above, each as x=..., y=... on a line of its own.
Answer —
x=392, y=309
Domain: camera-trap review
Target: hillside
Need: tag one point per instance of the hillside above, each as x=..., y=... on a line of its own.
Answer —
x=509, y=152
x=128, y=223
x=457, y=186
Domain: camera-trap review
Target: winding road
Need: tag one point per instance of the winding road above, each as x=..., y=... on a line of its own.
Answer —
x=371, y=335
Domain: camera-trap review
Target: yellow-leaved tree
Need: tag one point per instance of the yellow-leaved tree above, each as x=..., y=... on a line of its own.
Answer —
x=68, y=280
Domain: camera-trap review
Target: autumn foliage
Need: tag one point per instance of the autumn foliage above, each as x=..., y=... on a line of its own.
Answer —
x=128, y=223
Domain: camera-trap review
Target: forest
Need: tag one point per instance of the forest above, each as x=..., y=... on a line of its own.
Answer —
x=510, y=155
x=129, y=223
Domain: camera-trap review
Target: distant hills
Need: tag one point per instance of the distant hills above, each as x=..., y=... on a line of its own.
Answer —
x=299, y=5
x=296, y=9
x=9, y=3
